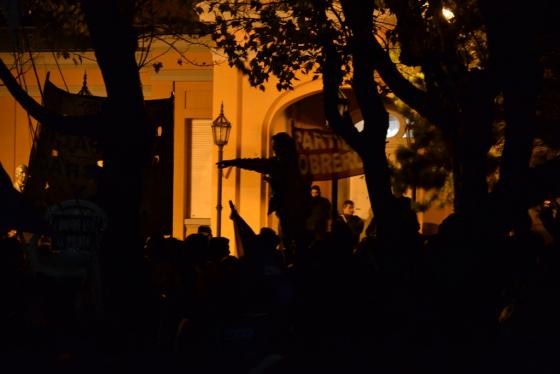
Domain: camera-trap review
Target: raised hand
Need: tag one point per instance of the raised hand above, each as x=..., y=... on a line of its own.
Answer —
x=225, y=163
x=233, y=210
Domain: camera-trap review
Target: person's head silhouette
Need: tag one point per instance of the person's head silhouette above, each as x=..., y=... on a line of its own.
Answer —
x=284, y=146
x=315, y=191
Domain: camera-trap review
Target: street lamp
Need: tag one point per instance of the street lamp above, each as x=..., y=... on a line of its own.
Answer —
x=447, y=14
x=221, y=128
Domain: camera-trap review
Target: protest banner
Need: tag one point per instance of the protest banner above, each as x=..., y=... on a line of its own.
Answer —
x=65, y=167
x=323, y=155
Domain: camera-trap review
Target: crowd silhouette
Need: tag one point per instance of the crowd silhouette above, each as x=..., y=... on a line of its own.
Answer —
x=454, y=302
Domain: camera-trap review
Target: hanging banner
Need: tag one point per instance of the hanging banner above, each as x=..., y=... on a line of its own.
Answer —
x=64, y=167
x=323, y=155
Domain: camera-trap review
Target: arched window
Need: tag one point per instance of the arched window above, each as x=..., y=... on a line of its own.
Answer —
x=394, y=126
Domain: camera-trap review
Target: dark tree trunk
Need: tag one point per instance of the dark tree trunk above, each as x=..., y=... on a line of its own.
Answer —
x=376, y=118
x=470, y=139
x=370, y=143
x=463, y=112
x=124, y=141
x=515, y=52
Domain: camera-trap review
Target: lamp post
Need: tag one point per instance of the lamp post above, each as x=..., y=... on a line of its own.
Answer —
x=221, y=128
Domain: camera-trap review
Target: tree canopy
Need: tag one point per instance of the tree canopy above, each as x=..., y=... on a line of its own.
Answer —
x=467, y=67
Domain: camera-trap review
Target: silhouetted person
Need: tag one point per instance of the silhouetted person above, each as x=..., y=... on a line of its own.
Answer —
x=409, y=220
x=290, y=192
x=319, y=213
x=205, y=230
x=353, y=222
x=218, y=249
x=196, y=247
x=13, y=294
x=223, y=275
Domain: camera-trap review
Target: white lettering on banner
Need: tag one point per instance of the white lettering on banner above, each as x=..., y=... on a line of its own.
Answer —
x=323, y=155
x=77, y=224
x=314, y=162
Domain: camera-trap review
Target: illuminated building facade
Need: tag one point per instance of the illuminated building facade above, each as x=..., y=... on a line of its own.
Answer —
x=199, y=90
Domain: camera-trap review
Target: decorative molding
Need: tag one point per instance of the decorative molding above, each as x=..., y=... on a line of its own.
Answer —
x=183, y=75
x=96, y=90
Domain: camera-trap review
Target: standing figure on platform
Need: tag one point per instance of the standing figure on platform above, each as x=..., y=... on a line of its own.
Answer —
x=21, y=177
x=290, y=191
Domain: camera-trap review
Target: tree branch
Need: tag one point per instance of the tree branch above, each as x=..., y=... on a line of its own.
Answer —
x=82, y=125
x=411, y=95
x=332, y=79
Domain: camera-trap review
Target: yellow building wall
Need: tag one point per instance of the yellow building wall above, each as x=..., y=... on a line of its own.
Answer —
x=190, y=83
x=16, y=127
x=199, y=91
x=255, y=115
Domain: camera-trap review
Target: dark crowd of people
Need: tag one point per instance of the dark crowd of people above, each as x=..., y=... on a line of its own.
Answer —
x=326, y=295
x=449, y=303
